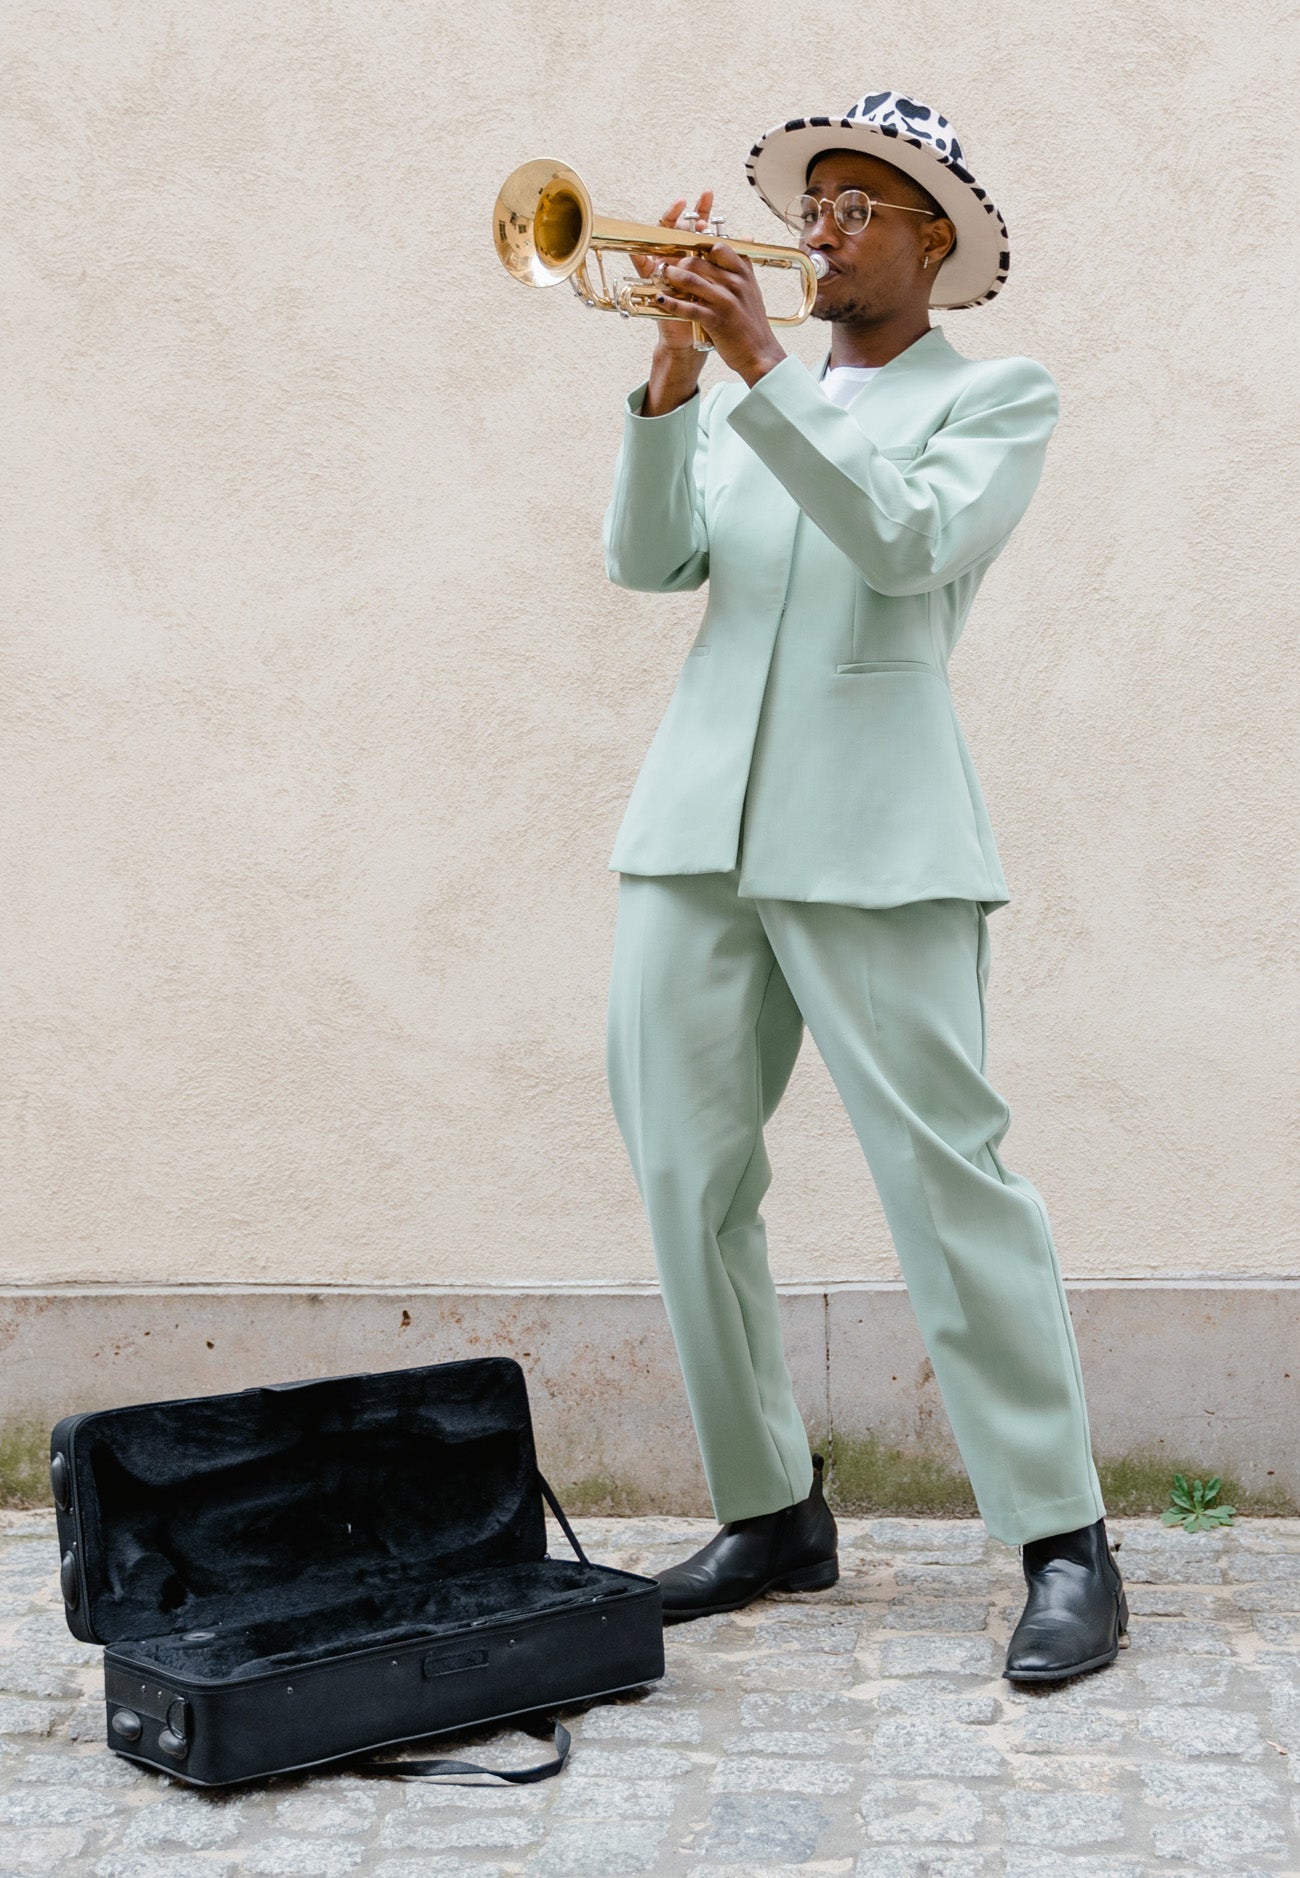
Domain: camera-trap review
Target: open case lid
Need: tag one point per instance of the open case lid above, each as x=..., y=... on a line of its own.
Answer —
x=292, y=1496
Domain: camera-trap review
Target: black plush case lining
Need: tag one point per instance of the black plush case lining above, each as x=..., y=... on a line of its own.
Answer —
x=361, y=1527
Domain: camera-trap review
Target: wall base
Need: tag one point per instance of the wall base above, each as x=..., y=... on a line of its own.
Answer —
x=1196, y=1376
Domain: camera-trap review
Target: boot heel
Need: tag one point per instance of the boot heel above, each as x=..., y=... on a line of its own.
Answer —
x=812, y=1577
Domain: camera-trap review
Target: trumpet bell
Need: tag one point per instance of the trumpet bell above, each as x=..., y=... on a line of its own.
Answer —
x=541, y=222
x=545, y=230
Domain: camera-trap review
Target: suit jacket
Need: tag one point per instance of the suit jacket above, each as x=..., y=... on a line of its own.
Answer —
x=842, y=550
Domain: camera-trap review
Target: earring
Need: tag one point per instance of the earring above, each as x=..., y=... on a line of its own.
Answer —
x=926, y=261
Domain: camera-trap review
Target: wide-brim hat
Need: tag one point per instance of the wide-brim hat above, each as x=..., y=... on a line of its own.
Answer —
x=917, y=140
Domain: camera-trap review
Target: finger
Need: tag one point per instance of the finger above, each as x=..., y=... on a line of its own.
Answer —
x=698, y=293
x=683, y=309
x=727, y=259
x=696, y=269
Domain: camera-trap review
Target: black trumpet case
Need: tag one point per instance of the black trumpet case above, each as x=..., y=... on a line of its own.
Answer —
x=298, y=1573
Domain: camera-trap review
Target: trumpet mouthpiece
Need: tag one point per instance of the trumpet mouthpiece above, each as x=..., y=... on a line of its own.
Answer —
x=820, y=265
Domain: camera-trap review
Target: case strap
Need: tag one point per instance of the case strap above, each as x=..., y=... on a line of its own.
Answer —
x=558, y=1511
x=518, y=1776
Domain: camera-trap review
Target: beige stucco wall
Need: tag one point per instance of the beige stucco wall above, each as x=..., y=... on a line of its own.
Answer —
x=320, y=715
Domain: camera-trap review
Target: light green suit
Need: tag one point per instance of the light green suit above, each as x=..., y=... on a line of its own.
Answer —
x=807, y=843
x=913, y=491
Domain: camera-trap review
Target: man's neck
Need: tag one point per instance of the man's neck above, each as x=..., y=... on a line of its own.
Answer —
x=878, y=341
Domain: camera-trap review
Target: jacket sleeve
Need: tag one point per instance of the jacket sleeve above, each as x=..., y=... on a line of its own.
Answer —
x=654, y=531
x=907, y=526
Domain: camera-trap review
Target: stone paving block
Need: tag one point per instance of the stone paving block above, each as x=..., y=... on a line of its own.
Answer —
x=1166, y=1783
x=912, y=1656
x=1165, y=1636
x=913, y=1613
x=827, y=1672
x=1174, y=1557
x=794, y=1634
x=18, y=1717
x=798, y=1744
x=815, y=1709
x=921, y=1812
x=313, y=1858
x=639, y=1724
x=1066, y=1733
x=939, y=1539
x=1255, y=1561
x=69, y=1768
x=431, y=1796
x=1198, y=1731
x=432, y=1868
x=939, y=1699
x=199, y=1821
x=48, y=1851
x=1284, y=1598
x=135, y=1864
x=1063, y=1819
x=1204, y=1602
x=23, y=1674
x=1031, y=1864
x=896, y=1862
x=816, y=1869
x=47, y=1637
x=1282, y=1632
x=1220, y=1841
x=906, y=1745
x=1206, y=1685
x=762, y=1830
x=1100, y=1688
x=328, y=1811
x=87, y=1722
x=619, y=1799
x=597, y=1849
x=628, y=1764
x=56, y=1806
x=406, y=1831
x=953, y=1581
x=757, y=1774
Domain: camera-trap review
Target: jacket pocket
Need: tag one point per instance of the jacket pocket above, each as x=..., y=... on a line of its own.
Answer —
x=889, y=665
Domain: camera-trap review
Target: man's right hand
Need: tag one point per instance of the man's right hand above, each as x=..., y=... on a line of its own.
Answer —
x=675, y=335
x=676, y=366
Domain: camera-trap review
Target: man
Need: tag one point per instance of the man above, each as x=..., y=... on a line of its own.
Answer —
x=807, y=843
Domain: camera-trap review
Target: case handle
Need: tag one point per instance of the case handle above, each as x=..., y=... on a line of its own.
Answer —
x=558, y=1511
x=517, y=1776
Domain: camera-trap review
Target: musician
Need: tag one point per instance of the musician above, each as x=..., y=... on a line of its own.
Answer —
x=807, y=844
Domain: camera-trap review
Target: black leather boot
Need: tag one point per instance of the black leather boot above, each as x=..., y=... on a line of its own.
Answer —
x=1076, y=1612
x=790, y=1550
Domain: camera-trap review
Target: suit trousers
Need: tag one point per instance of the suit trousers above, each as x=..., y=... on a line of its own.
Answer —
x=709, y=993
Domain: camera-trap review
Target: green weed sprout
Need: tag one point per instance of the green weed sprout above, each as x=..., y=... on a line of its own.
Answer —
x=1191, y=1507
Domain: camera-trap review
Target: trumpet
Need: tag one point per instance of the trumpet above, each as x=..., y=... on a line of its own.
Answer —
x=545, y=230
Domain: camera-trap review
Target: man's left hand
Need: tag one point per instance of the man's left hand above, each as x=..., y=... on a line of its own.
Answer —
x=727, y=302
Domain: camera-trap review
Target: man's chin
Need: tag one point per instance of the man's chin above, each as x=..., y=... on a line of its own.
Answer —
x=841, y=310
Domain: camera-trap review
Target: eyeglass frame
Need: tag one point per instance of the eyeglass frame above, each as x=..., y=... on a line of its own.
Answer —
x=874, y=201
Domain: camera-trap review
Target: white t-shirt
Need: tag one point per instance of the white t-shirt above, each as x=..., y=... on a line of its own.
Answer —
x=842, y=383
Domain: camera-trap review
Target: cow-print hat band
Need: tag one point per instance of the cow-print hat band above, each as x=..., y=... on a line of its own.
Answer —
x=915, y=139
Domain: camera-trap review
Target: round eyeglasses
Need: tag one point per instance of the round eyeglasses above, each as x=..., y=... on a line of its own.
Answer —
x=851, y=209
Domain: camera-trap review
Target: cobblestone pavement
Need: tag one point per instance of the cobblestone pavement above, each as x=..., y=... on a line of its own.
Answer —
x=865, y=1730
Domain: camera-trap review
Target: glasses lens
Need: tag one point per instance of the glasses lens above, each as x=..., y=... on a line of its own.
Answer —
x=853, y=211
x=802, y=213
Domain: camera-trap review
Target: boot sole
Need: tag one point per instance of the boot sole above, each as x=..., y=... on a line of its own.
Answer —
x=808, y=1578
x=1078, y=1669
